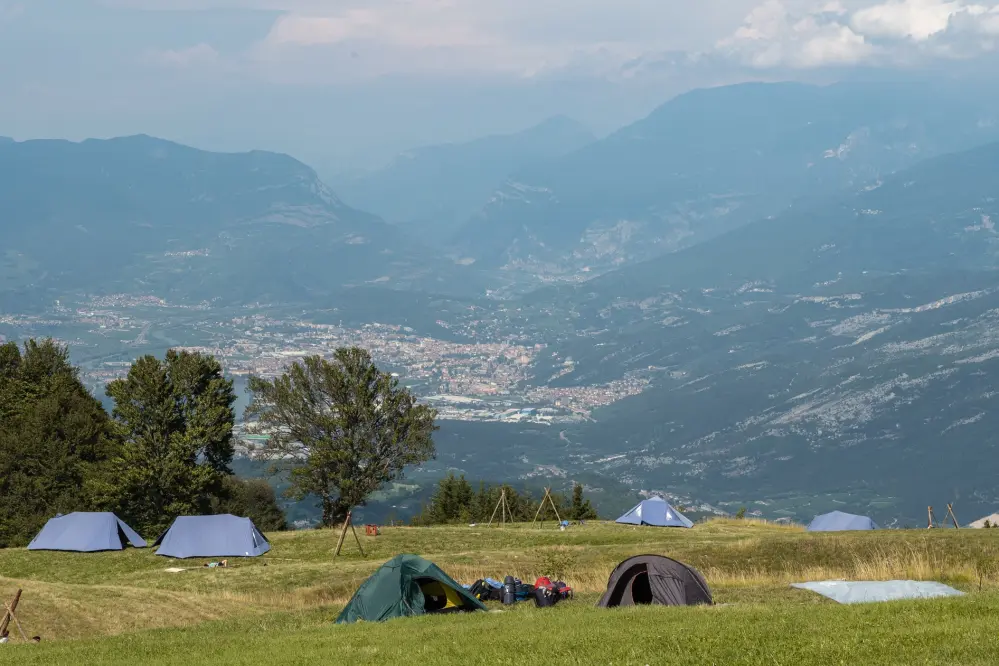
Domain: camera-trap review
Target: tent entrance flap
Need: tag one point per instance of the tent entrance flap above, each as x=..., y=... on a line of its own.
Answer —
x=437, y=596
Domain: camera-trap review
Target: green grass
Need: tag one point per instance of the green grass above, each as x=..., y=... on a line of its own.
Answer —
x=124, y=607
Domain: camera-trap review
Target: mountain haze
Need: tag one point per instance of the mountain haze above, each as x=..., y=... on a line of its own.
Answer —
x=842, y=354
x=432, y=190
x=712, y=160
x=143, y=215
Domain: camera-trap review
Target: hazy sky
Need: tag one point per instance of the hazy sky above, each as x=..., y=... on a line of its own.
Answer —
x=341, y=83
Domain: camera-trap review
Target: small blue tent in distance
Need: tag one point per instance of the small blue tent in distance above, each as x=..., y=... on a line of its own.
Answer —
x=837, y=521
x=657, y=512
x=85, y=532
x=224, y=535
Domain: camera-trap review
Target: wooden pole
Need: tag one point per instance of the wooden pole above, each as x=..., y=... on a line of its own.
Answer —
x=554, y=508
x=343, y=534
x=540, y=506
x=950, y=510
x=10, y=613
x=357, y=539
x=500, y=503
x=929, y=517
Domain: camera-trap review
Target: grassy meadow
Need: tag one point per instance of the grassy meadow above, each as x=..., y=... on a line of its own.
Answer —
x=118, y=607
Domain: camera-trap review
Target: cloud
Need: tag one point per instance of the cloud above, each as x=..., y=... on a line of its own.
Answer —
x=800, y=34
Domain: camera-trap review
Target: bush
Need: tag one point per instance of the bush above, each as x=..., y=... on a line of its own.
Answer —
x=557, y=562
x=741, y=513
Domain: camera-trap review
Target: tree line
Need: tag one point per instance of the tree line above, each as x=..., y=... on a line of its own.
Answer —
x=454, y=501
x=343, y=427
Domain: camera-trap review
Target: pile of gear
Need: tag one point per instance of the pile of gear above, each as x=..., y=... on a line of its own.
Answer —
x=544, y=592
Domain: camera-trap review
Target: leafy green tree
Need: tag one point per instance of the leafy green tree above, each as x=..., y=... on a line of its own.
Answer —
x=254, y=499
x=52, y=438
x=347, y=427
x=580, y=508
x=173, y=421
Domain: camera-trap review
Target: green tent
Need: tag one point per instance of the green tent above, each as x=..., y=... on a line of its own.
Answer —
x=407, y=585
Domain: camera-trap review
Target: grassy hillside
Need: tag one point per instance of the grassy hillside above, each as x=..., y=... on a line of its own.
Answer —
x=126, y=607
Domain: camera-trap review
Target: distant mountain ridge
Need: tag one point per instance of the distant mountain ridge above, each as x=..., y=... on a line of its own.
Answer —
x=146, y=215
x=838, y=355
x=712, y=160
x=432, y=190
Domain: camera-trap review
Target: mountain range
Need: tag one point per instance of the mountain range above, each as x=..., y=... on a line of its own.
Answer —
x=144, y=215
x=808, y=275
x=711, y=160
x=841, y=354
x=434, y=189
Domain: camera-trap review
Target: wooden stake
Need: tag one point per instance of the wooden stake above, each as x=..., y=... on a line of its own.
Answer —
x=929, y=517
x=10, y=613
x=950, y=510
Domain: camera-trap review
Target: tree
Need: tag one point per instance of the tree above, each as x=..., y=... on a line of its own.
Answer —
x=347, y=427
x=581, y=508
x=52, y=438
x=173, y=423
x=254, y=499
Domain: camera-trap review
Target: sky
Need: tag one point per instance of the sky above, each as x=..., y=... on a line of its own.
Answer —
x=345, y=84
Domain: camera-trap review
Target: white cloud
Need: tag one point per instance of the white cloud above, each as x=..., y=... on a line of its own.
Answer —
x=801, y=34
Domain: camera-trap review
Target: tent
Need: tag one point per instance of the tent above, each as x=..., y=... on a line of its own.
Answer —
x=85, y=532
x=657, y=512
x=224, y=535
x=407, y=585
x=837, y=521
x=859, y=592
x=654, y=579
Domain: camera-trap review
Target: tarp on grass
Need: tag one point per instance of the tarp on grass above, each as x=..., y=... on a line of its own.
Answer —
x=86, y=532
x=656, y=512
x=859, y=592
x=224, y=535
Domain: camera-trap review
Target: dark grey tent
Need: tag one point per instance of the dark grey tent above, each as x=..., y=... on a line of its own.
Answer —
x=654, y=579
x=85, y=532
x=224, y=535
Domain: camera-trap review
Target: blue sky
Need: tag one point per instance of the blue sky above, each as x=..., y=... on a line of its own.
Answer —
x=344, y=83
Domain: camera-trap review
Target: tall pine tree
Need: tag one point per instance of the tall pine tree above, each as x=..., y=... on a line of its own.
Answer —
x=52, y=438
x=173, y=421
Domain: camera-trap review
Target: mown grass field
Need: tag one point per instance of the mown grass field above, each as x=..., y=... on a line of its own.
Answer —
x=124, y=606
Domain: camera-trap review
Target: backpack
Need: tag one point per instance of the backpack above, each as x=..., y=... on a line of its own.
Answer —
x=545, y=597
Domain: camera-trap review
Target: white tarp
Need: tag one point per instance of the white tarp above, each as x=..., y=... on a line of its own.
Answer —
x=858, y=592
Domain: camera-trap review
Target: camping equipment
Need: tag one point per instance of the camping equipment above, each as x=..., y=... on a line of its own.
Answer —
x=371, y=530
x=654, y=579
x=85, y=532
x=858, y=592
x=656, y=512
x=509, y=591
x=407, y=585
x=224, y=535
x=837, y=521
x=544, y=597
